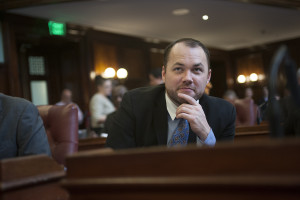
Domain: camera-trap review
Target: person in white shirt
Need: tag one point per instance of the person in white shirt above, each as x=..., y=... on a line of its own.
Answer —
x=100, y=105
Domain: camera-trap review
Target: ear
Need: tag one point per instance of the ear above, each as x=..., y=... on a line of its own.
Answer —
x=208, y=76
x=163, y=73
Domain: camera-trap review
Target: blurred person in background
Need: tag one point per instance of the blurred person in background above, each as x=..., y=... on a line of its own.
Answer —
x=100, y=105
x=155, y=77
x=66, y=98
x=117, y=96
x=230, y=96
x=248, y=93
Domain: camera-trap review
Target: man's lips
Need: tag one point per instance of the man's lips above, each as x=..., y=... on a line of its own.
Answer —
x=185, y=89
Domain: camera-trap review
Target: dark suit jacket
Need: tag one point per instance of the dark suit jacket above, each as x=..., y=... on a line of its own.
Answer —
x=142, y=119
x=21, y=129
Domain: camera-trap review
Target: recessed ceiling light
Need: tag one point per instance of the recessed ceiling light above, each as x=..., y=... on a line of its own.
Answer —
x=181, y=11
x=205, y=17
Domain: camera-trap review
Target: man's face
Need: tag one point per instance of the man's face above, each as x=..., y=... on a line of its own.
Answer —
x=186, y=72
x=67, y=96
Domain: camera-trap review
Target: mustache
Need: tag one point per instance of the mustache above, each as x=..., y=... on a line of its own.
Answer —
x=186, y=87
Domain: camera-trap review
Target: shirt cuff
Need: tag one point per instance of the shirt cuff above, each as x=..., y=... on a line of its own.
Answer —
x=211, y=139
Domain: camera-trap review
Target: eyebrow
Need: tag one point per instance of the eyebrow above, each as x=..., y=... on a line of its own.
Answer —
x=195, y=65
x=198, y=65
x=178, y=63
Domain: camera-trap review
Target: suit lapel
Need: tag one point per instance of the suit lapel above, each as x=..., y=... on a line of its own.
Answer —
x=160, y=119
x=203, y=102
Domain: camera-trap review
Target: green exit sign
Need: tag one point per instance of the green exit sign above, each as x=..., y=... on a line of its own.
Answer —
x=56, y=28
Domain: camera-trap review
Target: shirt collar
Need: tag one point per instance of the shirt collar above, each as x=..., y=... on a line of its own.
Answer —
x=171, y=106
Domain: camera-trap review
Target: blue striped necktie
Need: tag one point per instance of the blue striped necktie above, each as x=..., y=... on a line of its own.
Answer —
x=181, y=134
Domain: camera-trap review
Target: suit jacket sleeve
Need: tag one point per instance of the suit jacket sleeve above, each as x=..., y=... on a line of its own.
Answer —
x=229, y=130
x=31, y=134
x=121, y=133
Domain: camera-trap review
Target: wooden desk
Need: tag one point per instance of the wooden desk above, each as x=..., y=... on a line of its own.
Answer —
x=254, y=133
x=267, y=170
x=91, y=143
x=31, y=178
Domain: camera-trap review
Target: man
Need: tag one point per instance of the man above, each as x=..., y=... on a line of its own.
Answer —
x=66, y=98
x=248, y=93
x=153, y=116
x=155, y=77
x=21, y=129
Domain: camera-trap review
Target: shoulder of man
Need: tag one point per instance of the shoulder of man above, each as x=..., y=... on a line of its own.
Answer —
x=13, y=102
x=215, y=101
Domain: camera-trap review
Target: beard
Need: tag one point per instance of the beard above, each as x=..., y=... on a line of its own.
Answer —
x=173, y=95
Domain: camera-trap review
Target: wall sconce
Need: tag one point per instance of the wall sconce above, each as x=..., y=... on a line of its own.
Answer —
x=122, y=73
x=92, y=75
x=261, y=77
x=109, y=73
x=253, y=78
x=241, y=79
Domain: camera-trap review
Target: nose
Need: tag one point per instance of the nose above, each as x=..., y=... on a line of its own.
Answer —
x=187, y=77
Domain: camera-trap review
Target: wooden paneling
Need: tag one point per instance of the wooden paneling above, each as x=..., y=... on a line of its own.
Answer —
x=262, y=56
x=134, y=61
x=156, y=60
x=249, y=64
x=11, y=84
x=105, y=56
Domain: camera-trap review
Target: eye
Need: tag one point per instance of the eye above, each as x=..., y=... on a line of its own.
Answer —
x=177, y=69
x=198, y=69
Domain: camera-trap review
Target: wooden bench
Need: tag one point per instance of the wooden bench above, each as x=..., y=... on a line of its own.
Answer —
x=91, y=143
x=264, y=170
x=31, y=178
x=256, y=133
x=253, y=133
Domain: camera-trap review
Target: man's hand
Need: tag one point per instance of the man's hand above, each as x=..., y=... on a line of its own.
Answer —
x=194, y=114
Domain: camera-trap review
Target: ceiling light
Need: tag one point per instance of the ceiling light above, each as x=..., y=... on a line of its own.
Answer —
x=205, y=17
x=181, y=11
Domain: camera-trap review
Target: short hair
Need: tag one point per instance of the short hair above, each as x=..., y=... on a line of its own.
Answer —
x=156, y=72
x=99, y=80
x=190, y=43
